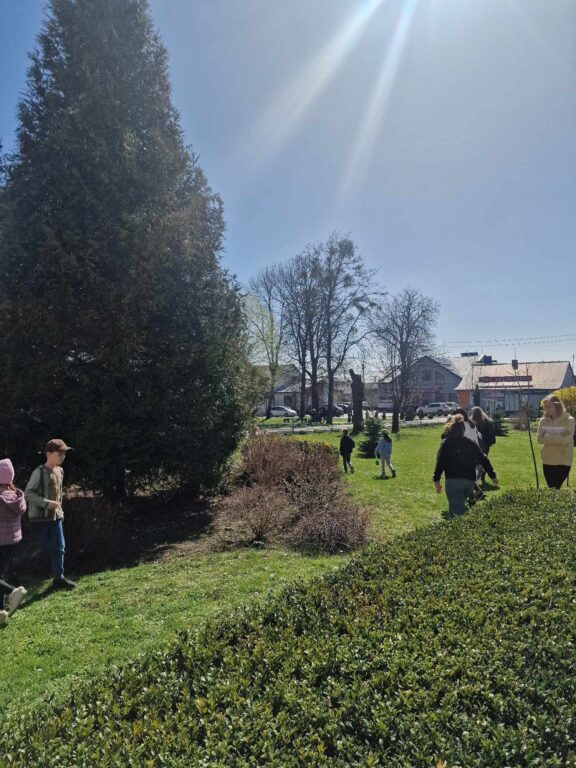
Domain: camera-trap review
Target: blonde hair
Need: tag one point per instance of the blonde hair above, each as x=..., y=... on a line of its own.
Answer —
x=454, y=426
x=559, y=407
x=478, y=415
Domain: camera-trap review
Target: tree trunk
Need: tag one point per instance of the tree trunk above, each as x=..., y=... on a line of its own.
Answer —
x=269, y=404
x=302, y=409
x=357, y=398
x=330, y=402
x=395, y=419
x=314, y=393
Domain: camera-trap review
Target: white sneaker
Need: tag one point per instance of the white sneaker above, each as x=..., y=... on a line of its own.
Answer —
x=3, y=618
x=15, y=598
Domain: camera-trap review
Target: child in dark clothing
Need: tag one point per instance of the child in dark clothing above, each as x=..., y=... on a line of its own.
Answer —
x=347, y=445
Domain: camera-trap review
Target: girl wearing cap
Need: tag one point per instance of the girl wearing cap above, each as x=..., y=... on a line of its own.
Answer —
x=12, y=507
x=556, y=438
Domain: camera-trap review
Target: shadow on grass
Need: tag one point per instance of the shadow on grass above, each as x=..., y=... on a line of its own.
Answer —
x=149, y=529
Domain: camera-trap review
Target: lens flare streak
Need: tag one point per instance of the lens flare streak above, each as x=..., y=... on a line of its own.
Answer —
x=288, y=112
x=375, y=113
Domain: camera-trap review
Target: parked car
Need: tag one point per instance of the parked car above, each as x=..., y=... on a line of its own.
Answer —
x=323, y=410
x=346, y=407
x=452, y=406
x=433, y=409
x=282, y=410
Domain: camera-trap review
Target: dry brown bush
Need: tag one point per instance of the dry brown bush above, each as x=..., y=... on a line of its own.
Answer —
x=333, y=524
x=257, y=513
x=294, y=488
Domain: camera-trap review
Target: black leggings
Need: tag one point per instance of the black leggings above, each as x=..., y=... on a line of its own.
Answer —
x=5, y=558
x=555, y=474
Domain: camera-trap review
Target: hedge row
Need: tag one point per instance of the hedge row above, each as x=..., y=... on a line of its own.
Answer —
x=453, y=647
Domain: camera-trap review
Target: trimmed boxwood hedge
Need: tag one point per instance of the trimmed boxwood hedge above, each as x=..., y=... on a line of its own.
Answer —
x=453, y=646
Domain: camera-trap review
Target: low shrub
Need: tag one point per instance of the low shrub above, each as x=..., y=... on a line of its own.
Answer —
x=453, y=646
x=294, y=489
x=257, y=513
x=327, y=520
x=267, y=460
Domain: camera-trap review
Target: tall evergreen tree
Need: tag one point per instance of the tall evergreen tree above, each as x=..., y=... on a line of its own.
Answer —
x=119, y=330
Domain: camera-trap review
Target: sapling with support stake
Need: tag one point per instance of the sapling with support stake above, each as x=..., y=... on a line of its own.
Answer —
x=524, y=397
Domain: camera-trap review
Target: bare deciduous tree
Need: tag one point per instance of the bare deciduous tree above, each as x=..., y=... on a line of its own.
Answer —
x=266, y=325
x=347, y=289
x=404, y=330
x=298, y=295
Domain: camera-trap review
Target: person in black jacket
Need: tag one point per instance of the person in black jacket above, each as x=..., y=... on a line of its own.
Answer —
x=487, y=430
x=457, y=459
x=347, y=445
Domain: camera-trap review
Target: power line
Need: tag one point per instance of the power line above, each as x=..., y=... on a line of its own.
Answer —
x=520, y=340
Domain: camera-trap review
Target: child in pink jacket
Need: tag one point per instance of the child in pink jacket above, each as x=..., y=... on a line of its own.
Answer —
x=12, y=507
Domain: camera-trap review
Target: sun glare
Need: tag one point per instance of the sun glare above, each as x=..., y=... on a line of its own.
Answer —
x=284, y=116
x=376, y=110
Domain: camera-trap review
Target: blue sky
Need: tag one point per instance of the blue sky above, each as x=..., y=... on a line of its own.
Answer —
x=441, y=134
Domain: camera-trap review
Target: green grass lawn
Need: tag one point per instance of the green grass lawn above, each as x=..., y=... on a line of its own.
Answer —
x=410, y=501
x=113, y=616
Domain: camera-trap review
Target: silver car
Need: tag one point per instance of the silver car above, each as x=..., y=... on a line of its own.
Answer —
x=433, y=409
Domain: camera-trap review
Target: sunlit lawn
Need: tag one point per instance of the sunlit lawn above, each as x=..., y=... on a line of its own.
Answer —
x=410, y=501
x=113, y=616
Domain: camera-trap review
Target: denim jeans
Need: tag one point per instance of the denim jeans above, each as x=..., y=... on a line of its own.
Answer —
x=50, y=536
x=386, y=460
x=457, y=490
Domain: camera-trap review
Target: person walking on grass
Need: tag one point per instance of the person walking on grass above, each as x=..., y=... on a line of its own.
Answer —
x=472, y=433
x=44, y=496
x=457, y=459
x=487, y=432
x=347, y=445
x=384, y=453
x=556, y=438
x=12, y=507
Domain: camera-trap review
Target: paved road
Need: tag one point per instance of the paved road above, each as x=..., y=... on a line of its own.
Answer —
x=339, y=426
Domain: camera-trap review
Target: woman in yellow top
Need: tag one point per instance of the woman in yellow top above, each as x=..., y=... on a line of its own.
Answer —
x=556, y=438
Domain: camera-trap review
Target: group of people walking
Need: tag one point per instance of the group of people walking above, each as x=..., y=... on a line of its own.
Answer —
x=42, y=498
x=383, y=453
x=463, y=453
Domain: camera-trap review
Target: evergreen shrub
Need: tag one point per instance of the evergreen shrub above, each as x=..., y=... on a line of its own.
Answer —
x=373, y=433
x=452, y=646
x=499, y=424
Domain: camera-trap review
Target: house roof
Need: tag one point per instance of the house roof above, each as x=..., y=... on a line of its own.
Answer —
x=545, y=376
x=455, y=365
x=459, y=365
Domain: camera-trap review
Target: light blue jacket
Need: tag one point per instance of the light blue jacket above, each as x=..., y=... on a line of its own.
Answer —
x=384, y=448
